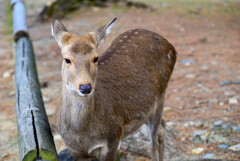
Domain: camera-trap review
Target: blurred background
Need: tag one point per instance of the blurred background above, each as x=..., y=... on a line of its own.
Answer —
x=202, y=105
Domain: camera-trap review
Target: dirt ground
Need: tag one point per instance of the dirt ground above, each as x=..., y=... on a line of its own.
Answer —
x=206, y=35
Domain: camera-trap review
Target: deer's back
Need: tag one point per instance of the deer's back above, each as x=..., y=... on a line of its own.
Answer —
x=132, y=74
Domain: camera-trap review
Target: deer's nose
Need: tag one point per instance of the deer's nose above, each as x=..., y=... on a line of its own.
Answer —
x=85, y=88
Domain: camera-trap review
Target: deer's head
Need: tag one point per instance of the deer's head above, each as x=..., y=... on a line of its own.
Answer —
x=80, y=56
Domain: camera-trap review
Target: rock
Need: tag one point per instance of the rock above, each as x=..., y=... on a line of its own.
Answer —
x=235, y=148
x=226, y=129
x=213, y=101
x=6, y=74
x=198, y=132
x=223, y=146
x=214, y=63
x=228, y=93
x=167, y=108
x=218, y=123
x=197, y=150
x=204, y=137
x=217, y=138
x=209, y=156
x=233, y=101
x=197, y=139
x=187, y=62
x=204, y=67
x=140, y=144
x=171, y=124
x=203, y=40
x=211, y=137
x=192, y=49
x=190, y=76
x=236, y=128
x=221, y=103
x=198, y=123
x=143, y=132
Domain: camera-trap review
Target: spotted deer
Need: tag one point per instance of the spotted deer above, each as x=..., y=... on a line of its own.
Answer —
x=105, y=97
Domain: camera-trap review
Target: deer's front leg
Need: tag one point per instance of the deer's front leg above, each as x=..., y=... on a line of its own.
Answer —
x=110, y=154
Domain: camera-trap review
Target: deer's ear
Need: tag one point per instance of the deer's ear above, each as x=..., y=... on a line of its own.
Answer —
x=102, y=32
x=59, y=31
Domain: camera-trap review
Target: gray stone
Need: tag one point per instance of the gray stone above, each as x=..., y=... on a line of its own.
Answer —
x=217, y=138
x=213, y=101
x=223, y=146
x=233, y=101
x=167, y=108
x=187, y=61
x=6, y=74
x=197, y=123
x=171, y=124
x=198, y=132
x=140, y=144
x=190, y=76
x=217, y=123
x=209, y=156
x=197, y=139
x=236, y=128
x=235, y=148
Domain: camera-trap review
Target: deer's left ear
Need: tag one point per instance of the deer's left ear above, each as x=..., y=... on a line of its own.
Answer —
x=59, y=32
x=102, y=32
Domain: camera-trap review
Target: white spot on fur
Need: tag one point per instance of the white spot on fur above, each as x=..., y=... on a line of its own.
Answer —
x=120, y=40
x=169, y=55
x=136, y=32
x=103, y=149
x=125, y=36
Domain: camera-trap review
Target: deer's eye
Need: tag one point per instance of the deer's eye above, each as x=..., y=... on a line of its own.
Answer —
x=95, y=60
x=68, y=61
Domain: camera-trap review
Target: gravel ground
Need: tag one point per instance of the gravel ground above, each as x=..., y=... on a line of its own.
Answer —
x=208, y=54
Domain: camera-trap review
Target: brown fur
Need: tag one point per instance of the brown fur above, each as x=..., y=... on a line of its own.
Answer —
x=130, y=85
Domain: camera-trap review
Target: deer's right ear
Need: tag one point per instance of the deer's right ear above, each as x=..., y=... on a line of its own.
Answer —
x=59, y=31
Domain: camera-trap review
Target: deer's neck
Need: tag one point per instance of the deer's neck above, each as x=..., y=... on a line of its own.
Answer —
x=76, y=110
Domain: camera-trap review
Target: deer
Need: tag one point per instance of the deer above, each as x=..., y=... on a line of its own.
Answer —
x=106, y=97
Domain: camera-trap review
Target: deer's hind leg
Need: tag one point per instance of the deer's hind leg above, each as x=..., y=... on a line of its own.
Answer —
x=157, y=133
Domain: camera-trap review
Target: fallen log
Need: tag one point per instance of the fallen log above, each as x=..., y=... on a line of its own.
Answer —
x=34, y=135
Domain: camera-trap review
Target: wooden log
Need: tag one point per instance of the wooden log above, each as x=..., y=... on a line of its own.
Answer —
x=19, y=20
x=34, y=134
